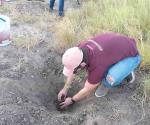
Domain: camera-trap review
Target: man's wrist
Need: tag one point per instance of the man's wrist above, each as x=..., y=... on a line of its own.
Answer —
x=73, y=101
x=66, y=89
x=67, y=86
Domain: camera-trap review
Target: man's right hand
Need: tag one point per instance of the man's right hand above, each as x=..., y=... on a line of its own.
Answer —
x=62, y=95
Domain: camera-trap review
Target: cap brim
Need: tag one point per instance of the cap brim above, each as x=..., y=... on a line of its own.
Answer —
x=67, y=72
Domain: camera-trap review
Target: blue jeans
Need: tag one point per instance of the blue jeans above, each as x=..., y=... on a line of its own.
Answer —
x=119, y=71
x=61, y=6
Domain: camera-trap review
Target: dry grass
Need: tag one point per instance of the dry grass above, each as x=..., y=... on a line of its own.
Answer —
x=29, y=27
x=147, y=88
x=128, y=17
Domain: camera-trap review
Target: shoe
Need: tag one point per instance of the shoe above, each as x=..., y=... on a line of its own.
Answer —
x=5, y=43
x=130, y=78
x=101, y=91
x=61, y=14
x=51, y=10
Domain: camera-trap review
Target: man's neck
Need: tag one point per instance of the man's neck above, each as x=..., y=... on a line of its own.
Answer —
x=85, y=55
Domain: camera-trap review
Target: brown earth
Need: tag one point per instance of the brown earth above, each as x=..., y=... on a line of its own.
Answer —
x=31, y=79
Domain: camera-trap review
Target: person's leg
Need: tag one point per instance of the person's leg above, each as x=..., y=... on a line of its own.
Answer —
x=51, y=5
x=78, y=2
x=61, y=7
x=118, y=72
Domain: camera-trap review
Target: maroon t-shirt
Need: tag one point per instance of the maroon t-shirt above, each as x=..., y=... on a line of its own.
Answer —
x=115, y=48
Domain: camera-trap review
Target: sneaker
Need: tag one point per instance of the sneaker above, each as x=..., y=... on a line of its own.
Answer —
x=50, y=10
x=61, y=13
x=101, y=91
x=130, y=78
x=5, y=43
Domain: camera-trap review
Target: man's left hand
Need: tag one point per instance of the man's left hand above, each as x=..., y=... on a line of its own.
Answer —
x=68, y=101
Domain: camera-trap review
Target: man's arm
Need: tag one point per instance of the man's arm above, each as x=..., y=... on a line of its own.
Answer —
x=63, y=92
x=86, y=91
x=68, y=82
x=88, y=88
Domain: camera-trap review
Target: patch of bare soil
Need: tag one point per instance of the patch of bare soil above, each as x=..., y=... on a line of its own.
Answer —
x=30, y=81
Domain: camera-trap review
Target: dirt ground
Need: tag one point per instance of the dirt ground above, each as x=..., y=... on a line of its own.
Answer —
x=31, y=79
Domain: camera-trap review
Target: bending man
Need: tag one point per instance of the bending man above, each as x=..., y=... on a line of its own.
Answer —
x=108, y=58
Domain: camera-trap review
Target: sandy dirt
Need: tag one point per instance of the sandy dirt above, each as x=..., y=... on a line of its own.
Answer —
x=31, y=79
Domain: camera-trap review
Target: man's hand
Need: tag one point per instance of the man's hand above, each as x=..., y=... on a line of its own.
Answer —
x=62, y=95
x=66, y=103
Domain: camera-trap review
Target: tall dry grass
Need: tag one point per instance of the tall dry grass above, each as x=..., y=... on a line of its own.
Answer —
x=130, y=17
x=147, y=88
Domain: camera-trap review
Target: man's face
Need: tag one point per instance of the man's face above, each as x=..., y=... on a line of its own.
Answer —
x=80, y=67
